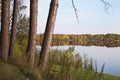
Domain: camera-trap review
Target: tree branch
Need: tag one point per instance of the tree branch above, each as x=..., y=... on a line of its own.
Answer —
x=107, y=6
x=76, y=11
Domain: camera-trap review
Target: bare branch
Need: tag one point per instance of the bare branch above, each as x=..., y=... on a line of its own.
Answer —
x=107, y=6
x=76, y=11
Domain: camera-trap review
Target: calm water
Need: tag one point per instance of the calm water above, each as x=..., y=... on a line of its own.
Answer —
x=109, y=56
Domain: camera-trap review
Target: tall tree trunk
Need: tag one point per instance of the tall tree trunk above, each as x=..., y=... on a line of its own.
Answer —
x=32, y=32
x=0, y=18
x=4, y=29
x=0, y=12
x=43, y=59
x=13, y=29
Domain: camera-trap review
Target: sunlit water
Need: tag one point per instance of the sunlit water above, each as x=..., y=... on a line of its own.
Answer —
x=109, y=56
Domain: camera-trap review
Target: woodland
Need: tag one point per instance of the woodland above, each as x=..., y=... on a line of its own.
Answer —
x=19, y=59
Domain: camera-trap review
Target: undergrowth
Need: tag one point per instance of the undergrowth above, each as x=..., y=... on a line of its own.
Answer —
x=62, y=65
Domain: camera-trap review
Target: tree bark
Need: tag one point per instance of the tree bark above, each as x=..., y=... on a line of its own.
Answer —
x=32, y=32
x=43, y=59
x=13, y=29
x=4, y=29
x=0, y=12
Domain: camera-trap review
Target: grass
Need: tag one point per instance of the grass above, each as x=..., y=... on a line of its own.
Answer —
x=63, y=65
x=10, y=72
x=15, y=71
x=111, y=77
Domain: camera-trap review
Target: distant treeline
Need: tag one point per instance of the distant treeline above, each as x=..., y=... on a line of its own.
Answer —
x=108, y=40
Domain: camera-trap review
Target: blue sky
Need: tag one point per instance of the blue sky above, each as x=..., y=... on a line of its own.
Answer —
x=92, y=17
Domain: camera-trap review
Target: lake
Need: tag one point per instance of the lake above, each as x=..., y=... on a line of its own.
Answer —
x=108, y=55
x=103, y=48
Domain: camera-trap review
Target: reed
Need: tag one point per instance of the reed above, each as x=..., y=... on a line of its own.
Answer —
x=66, y=65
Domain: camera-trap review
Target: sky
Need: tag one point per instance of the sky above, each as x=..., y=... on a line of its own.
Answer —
x=92, y=17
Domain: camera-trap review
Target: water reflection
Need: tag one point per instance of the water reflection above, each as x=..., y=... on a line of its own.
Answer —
x=103, y=50
x=108, y=40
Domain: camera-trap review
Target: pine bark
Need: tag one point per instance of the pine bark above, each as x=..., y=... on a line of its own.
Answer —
x=32, y=32
x=43, y=59
x=13, y=29
x=4, y=30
